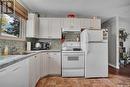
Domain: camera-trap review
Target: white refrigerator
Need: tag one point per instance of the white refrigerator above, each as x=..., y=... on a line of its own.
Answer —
x=95, y=46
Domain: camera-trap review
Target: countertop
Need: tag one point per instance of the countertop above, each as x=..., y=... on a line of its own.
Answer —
x=53, y=50
x=11, y=59
x=72, y=51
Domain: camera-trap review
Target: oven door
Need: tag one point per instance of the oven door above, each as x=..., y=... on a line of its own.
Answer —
x=72, y=60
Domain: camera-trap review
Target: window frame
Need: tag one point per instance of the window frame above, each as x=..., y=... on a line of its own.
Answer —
x=22, y=32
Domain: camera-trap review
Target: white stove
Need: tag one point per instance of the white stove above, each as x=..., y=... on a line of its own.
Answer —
x=72, y=61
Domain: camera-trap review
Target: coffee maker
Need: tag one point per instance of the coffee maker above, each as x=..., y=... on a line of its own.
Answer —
x=46, y=45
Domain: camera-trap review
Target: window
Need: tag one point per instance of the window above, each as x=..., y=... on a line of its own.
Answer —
x=12, y=25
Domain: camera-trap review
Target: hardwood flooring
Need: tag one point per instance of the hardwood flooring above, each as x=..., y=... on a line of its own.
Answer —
x=112, y=81
x=123, y=71
x=116, y=79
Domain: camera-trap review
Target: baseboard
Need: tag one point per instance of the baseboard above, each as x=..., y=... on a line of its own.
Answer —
x=113, y=66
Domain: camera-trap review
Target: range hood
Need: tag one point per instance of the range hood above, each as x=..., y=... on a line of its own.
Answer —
x=71, y=30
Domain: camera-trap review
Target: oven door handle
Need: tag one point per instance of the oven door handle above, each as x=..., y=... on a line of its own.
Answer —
x=73, y=58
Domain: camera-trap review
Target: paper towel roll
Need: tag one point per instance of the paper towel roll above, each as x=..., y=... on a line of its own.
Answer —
x=28, y=46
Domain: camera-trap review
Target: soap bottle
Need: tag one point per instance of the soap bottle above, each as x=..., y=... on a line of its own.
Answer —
x=6, y=50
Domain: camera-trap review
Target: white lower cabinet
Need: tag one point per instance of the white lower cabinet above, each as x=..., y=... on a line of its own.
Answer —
x=15, y=75
x=34, y=70
x=54, y=63
x=44, y=64
x=26, y=73
x=51, y=63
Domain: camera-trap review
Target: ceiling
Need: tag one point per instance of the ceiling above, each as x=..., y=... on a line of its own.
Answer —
x=103, y=9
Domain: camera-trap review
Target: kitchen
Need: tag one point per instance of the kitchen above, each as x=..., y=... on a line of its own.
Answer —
x=67, y=47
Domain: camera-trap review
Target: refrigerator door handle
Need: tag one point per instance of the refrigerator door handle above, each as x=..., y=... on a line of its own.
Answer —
x=87, y=37
x=87, y=48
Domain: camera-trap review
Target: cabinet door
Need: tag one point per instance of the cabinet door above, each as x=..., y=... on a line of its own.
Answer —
x=15, y=75
x=32, y=71
x=43, y=28
x=67, y=23
x=55, y=63
x=30, y=30
x=20, y=74
x=76, y=22
x=54, y=28
x=36, y=27
x=44, y=64
x=85, y=23
x=32, y=26
x=37, y=70
x=96, y=24
x=5, y=80
x=72, y=23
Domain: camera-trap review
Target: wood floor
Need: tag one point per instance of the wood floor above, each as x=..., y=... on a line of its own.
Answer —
x=116, y=79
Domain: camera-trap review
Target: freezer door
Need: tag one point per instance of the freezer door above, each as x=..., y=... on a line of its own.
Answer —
x=96, y=61
x=95, y=35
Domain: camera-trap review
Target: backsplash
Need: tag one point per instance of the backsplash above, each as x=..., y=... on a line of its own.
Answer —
x=18, y=45
x=71, y=36
x=55, y=43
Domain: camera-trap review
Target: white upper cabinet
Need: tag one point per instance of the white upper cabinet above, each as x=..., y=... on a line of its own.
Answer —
x=71, y=23
x=90, y=23
x=85, y=23
x=32, y=25
x=95, y=23
x=43, y=28
x=50, y=28
x=55, y=28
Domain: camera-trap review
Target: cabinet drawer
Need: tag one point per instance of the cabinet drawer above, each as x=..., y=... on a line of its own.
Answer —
x=55, y=54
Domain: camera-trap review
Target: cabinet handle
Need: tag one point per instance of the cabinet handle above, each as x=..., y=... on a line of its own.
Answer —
x=2, y=70
x=16, y=68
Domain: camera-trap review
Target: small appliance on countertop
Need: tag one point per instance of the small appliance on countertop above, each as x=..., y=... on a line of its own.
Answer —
x=41, y=46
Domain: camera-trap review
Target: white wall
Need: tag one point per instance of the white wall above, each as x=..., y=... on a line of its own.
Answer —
x=113, y=44
x=113, y=25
